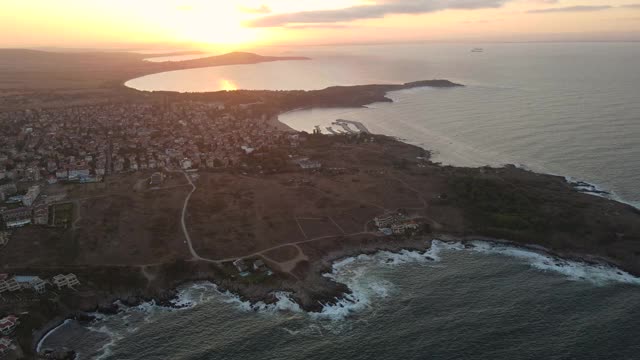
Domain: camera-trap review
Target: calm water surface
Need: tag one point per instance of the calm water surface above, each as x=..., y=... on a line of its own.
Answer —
x=568, y=109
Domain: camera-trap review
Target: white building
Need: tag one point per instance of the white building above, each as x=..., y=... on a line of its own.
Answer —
x=69, y=280
x=247, y=149
x=5, y=345
x=38, y=285
x=8, y=325
x=186, y=163
x=32, y=194
x=384, y=221
x=309, y=164
x=9, y=285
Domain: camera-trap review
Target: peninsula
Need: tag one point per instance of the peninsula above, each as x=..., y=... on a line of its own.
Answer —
x=110, y=194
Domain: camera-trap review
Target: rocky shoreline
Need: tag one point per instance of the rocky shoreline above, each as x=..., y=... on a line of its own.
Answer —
x=334, y=295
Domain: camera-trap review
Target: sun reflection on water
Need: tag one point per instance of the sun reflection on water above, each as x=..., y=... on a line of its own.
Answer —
x=228, y=85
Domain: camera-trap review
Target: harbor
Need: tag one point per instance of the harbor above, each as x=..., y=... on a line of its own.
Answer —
x=346, y=126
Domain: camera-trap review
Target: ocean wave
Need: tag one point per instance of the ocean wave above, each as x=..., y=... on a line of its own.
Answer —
x=598, y=274
x=596, y=190
x=114, y=336
x=355, y=272
x=367, y=284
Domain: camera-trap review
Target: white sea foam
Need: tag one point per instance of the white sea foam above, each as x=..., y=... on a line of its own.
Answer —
x=599, y=274
x=596, y=190
x=355, y=272
x=106, y=350
x=368, y=286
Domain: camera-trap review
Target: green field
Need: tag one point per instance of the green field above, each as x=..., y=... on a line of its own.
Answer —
x=61, y=215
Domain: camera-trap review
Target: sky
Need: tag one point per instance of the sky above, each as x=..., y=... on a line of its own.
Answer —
x=251, y=23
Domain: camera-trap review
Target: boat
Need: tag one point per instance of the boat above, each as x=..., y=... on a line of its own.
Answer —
x=477, y=50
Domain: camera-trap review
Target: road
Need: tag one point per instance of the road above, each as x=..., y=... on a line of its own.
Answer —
x=187, y=237
x=195, y=255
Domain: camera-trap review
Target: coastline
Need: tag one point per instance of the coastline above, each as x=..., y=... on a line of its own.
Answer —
x=421, y=246
x=339, y=290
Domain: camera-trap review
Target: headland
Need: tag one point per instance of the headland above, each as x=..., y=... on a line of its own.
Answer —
x=140, y=192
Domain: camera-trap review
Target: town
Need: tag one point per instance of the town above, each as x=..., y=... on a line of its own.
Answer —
x=41, y=149
x=84, y=144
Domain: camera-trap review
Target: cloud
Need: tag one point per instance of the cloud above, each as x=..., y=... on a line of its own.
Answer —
x=262, y=9
x=318, y=26
x=631, y=6
x=373, y=11
x=579, y=8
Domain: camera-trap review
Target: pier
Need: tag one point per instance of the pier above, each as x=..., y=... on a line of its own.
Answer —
x=345, y=125
x=330, y=129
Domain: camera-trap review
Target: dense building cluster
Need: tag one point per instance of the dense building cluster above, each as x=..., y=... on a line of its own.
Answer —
x=83, y=144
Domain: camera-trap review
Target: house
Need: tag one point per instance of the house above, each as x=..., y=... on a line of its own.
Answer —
x=186, y=163
x=38, y=285
x=384, y=221
x=156, y=179
x=402, y=228
x=7, y=190
x=60, y=281
x=41, y=215
x=69, y=280
x=31, y=196
x=72, y=280
x=247, y=149
x=62, y=174
x=14, y=218
x=309, y=164
x=31, y=282
x=8, y=325
x=52, y=166
x=243, y=269
x=258, y=265
x=5, y=345
x=12, y=285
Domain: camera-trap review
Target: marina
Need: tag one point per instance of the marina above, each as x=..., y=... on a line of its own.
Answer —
x=344, y=124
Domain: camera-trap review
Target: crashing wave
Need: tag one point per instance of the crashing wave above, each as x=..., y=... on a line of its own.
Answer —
x=359, y=274
x=599, y=274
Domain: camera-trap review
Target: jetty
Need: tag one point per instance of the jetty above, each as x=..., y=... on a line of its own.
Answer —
x=345, y=125
x=330, y=129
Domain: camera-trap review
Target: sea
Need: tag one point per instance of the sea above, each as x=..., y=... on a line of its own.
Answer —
x=571, y=109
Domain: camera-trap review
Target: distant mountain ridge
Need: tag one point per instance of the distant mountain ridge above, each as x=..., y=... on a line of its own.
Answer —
x=24, y=69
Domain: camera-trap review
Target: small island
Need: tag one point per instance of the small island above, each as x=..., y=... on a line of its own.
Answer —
x=109, y=193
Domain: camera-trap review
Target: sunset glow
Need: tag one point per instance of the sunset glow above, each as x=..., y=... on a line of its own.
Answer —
x=228, y=85
x=253, y=23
